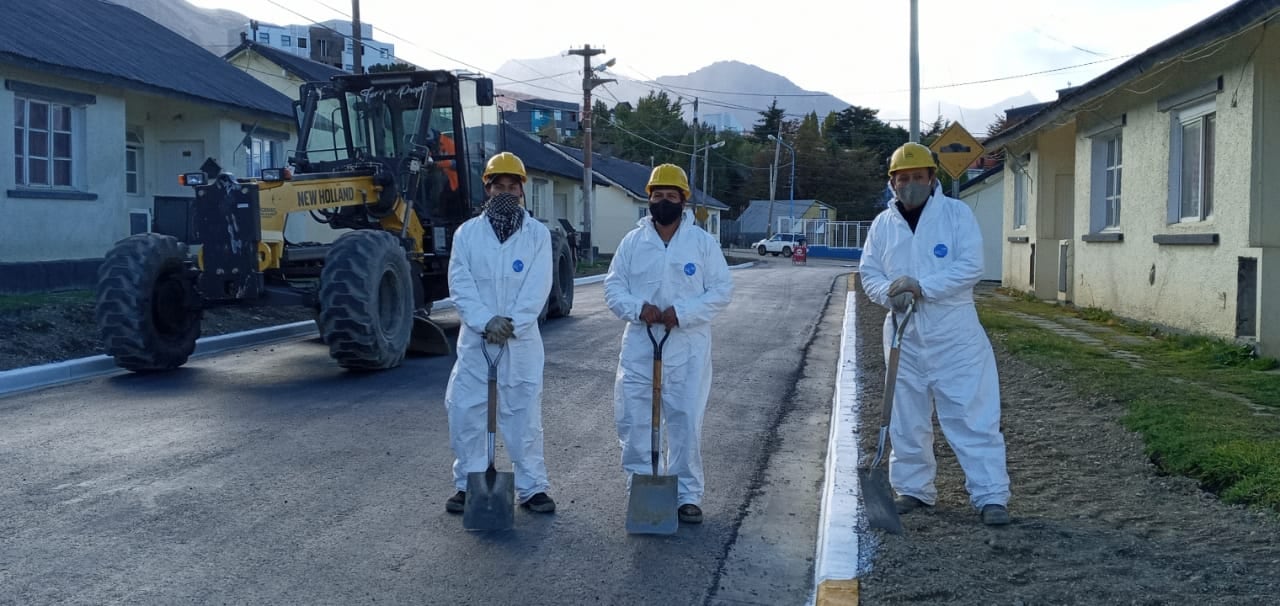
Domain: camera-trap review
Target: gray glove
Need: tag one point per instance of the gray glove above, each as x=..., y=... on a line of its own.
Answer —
x=902, y=291
x=499, y=330
x=900, y=301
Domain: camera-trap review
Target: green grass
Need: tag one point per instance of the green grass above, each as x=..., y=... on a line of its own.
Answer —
x=37, y=300
x=1180, y=401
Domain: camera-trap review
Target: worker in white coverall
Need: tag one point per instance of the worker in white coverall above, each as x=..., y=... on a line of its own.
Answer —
x=668, y=274
x=926, y=247
x=499, y=279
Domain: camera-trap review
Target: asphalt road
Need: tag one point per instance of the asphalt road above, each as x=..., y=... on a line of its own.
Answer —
x=271, y=476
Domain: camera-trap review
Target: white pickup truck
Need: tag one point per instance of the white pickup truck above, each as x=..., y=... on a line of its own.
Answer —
x=779, y=244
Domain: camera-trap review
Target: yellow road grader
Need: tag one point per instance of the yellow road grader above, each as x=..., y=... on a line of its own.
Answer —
x=392, y=161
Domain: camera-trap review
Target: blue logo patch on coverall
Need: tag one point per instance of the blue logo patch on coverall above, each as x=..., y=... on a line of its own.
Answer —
x=690, y=269
x=518, y=265
x=940, y=251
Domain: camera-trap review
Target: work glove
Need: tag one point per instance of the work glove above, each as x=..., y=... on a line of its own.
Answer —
x=902, y=291
x=650, y=314
x=499, y=330
x=669, y=318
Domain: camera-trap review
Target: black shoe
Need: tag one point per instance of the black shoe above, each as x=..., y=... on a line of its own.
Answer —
x=540, y=503
x=457, y=502
x=907, y=504
x=690, y=513
x=995, y=515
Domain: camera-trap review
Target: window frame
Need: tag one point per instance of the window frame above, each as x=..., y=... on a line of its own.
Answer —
x=1203, y=114
x=1021, y=182
x=1106, y=191
x=73, y=159
x=134, y=145
x=262, y=152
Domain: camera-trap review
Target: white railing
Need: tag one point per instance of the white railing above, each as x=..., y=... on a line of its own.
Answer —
x=821, y=232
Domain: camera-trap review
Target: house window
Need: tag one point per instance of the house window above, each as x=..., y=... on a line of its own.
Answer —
x=1107, y=176
x=1191, y=163
x=822, y=214
x=538, y=197
x=644, y=211
x=302, y=42
x=133, y=163
x=350, y=46
x=264, y=38
x=1020, y=193
x=385, y=53
x=285, y=40
x=262, y=154
x=43, y=143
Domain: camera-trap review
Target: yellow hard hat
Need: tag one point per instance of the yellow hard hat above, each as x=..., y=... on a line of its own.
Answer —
x=505, y=163
x=669, y=175
x=911, y=155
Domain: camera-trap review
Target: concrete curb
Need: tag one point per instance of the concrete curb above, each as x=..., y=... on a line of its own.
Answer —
x=837, y=561
x=19, y=380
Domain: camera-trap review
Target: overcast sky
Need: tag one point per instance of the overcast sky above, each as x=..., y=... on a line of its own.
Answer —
x=856, y=50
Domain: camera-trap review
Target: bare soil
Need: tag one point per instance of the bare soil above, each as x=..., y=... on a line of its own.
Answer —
x=64, y=329
x=1094, y=522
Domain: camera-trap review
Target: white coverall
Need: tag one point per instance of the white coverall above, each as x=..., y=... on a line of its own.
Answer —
x=510, y=279
x=689, y=273
x=945, y=359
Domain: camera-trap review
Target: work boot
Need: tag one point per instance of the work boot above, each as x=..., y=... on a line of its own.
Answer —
x=907, y=504
x=690, y=513
x=457, y=502
x=995, y=515
x=540, y=503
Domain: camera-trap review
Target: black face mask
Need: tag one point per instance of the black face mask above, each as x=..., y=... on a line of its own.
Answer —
x=665, y=212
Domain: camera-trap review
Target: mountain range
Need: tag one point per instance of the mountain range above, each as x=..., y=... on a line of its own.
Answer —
x=729, y=93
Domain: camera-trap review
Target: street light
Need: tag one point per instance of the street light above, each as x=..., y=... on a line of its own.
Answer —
x=706, y=162
x=792, y=193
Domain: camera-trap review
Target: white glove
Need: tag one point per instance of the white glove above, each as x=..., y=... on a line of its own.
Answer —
x=498, y=330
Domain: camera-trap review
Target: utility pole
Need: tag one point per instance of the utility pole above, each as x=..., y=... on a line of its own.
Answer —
x=357, y=41
x=693, y=158
x=773, y=176
x=589, y=81
x=915, y=71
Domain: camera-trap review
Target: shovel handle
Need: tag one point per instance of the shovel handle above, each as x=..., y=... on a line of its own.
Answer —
x=493, y=386
x=891, y=374
x=656, y=425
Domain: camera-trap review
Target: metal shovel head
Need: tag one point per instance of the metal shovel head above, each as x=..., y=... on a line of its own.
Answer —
x=652, y=506
x=491, y=500
x=882, y=512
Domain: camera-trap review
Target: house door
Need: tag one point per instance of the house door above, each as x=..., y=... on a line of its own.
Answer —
x=177, y=157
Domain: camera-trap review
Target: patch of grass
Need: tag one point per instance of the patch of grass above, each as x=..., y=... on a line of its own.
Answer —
x=1202, y=432
x=38, y=300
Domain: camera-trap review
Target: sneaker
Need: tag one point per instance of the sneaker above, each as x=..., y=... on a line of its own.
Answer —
x=995, y=515
x=539, y=503
x=907, y=504
x=457, y=502
x=690, y=513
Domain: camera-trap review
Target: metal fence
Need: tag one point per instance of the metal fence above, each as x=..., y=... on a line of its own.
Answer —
x=821, y=232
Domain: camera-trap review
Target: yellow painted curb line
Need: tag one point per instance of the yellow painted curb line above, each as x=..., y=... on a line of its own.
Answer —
x=832, y=592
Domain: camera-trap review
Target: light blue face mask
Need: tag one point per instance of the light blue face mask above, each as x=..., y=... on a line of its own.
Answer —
x=913, y=194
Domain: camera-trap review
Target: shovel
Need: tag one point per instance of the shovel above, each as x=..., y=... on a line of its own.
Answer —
x=882, y=513
x=491, y=495
x=652, y=505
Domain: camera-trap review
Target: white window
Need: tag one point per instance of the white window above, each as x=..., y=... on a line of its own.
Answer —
x=822, y=213
x=644, y=212
x=1020, y=191
x=286, y=40
x=263, y=153
x=1191, y=160
x=133, y=163
x=1107, y=178
x=44, y=143
x=538, y=197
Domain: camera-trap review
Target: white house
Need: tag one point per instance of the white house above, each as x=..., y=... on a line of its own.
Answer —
x=1153, y=191
x=103, y=124
x=984, y=194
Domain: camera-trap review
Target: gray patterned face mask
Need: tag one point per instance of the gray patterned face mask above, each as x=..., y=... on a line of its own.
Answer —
x=505, y=215
x=913, y=194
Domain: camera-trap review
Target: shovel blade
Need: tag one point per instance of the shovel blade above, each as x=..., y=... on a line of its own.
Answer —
x=491, y=501
x=882, y=512
x=651, y=508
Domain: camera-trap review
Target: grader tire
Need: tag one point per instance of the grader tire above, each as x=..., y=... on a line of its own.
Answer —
x=142, y=305
x=561, y=299
x=366, y=301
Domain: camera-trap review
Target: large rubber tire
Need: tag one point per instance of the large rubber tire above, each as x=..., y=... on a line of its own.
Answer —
x=143, y=308
x=561, y=300
x=366, y=301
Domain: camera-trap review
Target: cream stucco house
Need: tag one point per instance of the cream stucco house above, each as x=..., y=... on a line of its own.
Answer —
x=1153, y=191
x=103, y=124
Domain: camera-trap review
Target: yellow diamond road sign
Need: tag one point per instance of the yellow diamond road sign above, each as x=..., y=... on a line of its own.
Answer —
x=956, y=150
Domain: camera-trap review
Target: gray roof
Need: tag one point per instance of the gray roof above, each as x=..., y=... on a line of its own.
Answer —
x=100, y=42
x=982, y=178
x=302, y=67
x=537, y=156
x=631, y=176
x=755, y=217
x=1234, y=18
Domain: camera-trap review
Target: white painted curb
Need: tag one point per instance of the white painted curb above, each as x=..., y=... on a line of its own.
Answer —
x=837, y=556
x=46, y=375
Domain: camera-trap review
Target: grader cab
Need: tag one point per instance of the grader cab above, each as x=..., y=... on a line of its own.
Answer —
x=358, y=227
